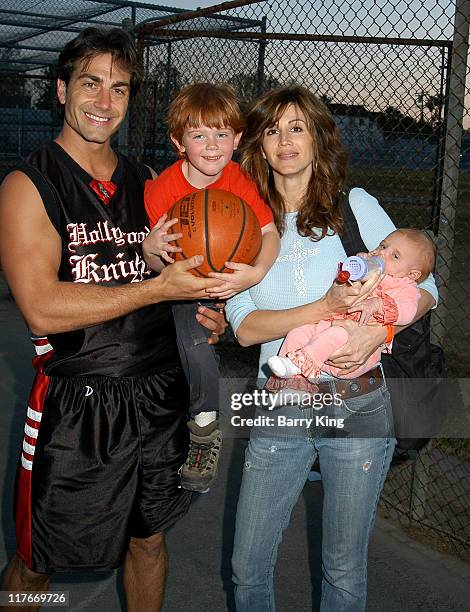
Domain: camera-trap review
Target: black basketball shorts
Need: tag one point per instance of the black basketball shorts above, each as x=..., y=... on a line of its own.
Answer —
x=99, y=465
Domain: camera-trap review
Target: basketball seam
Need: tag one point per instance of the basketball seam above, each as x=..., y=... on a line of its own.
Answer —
x=170, y=216
x=206, y=225
x=181, y=253
x=242, y=229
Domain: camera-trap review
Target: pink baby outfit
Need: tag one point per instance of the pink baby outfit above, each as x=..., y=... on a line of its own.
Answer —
x=309, y=346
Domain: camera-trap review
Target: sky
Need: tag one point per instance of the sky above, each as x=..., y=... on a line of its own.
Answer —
x=405, y=18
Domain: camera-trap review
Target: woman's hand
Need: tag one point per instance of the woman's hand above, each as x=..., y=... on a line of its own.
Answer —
x=341, y=298
x=363, y=341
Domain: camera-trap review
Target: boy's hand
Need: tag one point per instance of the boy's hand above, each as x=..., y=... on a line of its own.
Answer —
x=367, y=309
x=157, y=242
x=242, y=277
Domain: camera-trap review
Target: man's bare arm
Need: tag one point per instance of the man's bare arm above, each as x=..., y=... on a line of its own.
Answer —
x=30, y=252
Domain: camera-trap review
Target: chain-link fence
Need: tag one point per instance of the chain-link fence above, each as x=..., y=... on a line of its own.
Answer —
x=26, y=118
x=394, y=74
x=31, y=36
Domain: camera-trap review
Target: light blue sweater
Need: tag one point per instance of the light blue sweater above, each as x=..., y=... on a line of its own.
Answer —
x=305, y=270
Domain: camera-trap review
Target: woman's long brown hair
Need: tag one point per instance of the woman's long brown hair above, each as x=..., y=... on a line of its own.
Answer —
x=320, y=205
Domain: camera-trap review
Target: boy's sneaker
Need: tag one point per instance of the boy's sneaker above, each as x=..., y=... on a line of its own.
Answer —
x=200, y=470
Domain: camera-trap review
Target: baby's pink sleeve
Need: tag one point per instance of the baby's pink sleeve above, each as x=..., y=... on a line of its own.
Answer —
x=400, y=300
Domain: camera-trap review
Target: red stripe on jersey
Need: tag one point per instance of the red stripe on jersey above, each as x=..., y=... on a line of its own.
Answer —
x=33, y=424
x=24, y=493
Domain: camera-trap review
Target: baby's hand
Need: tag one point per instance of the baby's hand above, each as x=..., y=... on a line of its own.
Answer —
x=367, y=308
x=157, y=242
x=243, y=277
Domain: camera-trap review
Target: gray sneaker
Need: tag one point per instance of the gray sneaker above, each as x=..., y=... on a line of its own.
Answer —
x=200, y=469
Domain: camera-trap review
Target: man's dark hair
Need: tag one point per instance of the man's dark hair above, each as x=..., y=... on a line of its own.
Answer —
x=96, y=41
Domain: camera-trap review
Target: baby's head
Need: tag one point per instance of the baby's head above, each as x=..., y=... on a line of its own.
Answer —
x=407, y=253
x=205, y=125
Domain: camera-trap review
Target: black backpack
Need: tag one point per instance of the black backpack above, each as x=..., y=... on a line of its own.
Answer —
x=414, y=369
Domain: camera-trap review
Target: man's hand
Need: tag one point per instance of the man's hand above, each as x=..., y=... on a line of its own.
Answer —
x=363, y=341
x=177, y=283
x=213, y=320
x=340, y=298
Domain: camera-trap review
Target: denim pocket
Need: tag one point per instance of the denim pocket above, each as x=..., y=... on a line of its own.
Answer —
x=367, y=404
x=367, y=415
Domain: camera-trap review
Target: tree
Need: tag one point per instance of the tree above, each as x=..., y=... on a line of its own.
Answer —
x=434, y=104
x=45, y=90
x=10, y=86
x=393, y=122
x=248, y=87
x=162, y=84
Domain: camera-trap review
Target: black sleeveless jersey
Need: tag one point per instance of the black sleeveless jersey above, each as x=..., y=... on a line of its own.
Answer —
x=102, y=226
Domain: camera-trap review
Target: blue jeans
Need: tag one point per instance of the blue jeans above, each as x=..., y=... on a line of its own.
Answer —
x=276, y=468
x=199, y=359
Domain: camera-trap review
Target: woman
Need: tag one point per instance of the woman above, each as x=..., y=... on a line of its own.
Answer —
x=293, y=151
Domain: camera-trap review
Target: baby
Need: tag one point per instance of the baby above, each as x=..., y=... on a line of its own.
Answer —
x=409, y=256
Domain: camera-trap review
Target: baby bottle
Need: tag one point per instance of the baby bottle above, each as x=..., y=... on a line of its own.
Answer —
x=360, y=268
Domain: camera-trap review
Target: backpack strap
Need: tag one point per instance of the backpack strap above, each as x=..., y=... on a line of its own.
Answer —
x=351, y=238
x=45, y=191
x=143, y=171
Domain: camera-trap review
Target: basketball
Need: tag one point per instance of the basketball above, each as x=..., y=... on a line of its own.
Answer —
x=218, y=225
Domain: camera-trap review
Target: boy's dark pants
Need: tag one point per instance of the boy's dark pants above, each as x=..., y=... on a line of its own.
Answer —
x=199, y=359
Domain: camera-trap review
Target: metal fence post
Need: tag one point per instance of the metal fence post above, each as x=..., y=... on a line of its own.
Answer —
x=123, y=135
x=450, y=178
x=421, y=479
x=261, y=58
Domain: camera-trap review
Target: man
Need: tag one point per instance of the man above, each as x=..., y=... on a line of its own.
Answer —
x=105, y=431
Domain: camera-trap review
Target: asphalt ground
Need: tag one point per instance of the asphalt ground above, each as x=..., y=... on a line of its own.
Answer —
x=403, y=575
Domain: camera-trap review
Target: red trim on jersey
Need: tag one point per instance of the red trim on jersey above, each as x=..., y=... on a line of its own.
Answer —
x=40, y=341
x=103, y=189
x=24, y=494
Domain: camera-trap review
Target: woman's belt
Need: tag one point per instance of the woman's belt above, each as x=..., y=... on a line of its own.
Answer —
x=354, y=387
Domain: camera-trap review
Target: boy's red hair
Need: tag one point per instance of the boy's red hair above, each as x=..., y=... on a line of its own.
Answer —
x=204, y=104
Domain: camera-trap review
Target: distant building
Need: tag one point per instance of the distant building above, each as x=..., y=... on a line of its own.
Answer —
x=356, y=122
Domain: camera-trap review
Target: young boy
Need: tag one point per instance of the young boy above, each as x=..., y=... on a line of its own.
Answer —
x=205, y=125
x=409, y=256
